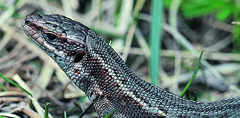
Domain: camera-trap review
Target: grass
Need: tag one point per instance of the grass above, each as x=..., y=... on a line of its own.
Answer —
x=193, y=76
x=15, y=84
x=155, y=40
x=46, y=110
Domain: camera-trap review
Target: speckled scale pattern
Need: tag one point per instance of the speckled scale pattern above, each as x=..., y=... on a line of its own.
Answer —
x=100, y=72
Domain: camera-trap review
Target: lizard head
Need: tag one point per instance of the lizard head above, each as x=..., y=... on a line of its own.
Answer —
x=62, y=38
x=85, y=57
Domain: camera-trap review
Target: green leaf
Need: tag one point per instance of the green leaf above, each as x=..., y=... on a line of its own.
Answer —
x=198, y=8
x=224, y=14
x=167, y=3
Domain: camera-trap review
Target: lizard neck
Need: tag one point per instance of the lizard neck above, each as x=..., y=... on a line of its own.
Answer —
x=109, y=73
x=111, y=85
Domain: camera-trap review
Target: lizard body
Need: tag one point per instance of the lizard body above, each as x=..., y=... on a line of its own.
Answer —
x=100, y=72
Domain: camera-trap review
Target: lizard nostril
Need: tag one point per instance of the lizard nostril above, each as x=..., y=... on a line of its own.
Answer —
x=27, y=22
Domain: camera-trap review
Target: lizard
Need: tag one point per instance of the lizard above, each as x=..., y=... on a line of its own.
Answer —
x=95, y=68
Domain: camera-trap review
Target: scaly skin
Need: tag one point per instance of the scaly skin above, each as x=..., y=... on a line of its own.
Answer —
x=99, y=71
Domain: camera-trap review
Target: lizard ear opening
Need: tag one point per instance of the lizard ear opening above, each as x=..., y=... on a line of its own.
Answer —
x=78, y=57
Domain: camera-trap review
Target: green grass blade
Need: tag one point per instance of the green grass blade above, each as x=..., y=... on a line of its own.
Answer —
x=155, y=40
x=84, y=112
x=65, y=115
x=236, y=30
x=15, y=84
x=193, y=76
x=109, y=115
x=46, y=109
x=74, y=108
x=3, y=87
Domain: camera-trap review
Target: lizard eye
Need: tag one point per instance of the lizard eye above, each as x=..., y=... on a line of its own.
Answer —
x=51, y=37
